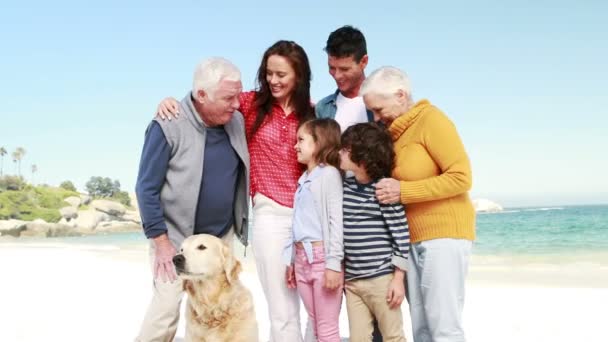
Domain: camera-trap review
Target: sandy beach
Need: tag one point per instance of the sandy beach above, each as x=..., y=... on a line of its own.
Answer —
x=80, y=292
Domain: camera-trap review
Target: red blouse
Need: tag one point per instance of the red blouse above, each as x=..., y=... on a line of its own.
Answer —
x=274, y=166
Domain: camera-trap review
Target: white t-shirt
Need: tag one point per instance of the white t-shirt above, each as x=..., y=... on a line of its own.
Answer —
x=350, y=111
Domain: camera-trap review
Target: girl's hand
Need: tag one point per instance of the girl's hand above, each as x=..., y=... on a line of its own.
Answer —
x=168, y=109
x=290, y=277
x=332, y=279
x=388, y=191
x=396, y=290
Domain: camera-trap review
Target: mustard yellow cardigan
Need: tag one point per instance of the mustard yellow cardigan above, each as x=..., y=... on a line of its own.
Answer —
x=435, y=175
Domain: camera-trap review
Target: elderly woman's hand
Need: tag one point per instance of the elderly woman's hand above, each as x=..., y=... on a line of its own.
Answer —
x=388, y=191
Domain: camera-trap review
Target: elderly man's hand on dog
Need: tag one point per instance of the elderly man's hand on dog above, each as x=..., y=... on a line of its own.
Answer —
x=163, y=261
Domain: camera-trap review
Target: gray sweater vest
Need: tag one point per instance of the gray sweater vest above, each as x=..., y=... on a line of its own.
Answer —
x=179, y=195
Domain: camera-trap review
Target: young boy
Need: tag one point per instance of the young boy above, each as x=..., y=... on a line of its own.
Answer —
x=376, y=236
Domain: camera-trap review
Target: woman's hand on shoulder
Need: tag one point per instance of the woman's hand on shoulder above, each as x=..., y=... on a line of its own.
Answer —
x=168, y=109
x=388, y=191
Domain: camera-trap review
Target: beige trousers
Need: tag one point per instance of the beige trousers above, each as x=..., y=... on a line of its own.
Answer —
x=160, y=321
x=366, y=299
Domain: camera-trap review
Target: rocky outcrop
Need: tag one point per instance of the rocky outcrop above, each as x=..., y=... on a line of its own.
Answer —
x=38, y=228
x=12, y=227
x=486, y=206
x=132, y=216
x=85, y=199
x=109, y=207
x=103, y=216
x=117, y=226
x=133, y=198
x=64, y=222
x=68, y=213
x=73, y=201
x=89, y=219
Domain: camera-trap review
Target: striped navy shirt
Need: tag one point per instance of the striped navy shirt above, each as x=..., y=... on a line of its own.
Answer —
x=376, y=236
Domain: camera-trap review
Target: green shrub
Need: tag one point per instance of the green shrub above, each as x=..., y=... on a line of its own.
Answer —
x=49, y=215
x=10, y=201
x=14, y=183
x=122, y=197
x=53, y=197
x=68, y=185
x=102, y=187
x=34, y=202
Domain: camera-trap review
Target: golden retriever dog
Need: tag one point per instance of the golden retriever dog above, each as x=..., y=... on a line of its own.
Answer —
x=219, y=308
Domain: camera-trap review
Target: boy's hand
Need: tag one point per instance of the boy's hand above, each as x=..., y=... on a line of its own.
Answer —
x=290, y=277
x=332, y=279
x=396, y=290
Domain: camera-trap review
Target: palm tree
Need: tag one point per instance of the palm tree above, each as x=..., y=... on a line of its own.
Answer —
x=34, y=170
x=3, y=152
x=17, y=156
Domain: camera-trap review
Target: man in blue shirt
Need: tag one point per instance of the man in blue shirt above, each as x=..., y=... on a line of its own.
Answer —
x=193, y=179
x=347, y=59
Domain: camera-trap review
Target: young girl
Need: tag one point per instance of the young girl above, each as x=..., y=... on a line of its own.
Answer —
x=314, y=256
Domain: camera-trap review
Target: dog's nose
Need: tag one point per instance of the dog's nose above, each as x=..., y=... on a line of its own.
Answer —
x=179, y=261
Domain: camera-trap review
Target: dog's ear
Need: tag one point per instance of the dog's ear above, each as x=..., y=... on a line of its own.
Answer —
x=232, y=267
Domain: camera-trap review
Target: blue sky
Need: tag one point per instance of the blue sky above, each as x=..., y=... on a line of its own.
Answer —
x=524, y=82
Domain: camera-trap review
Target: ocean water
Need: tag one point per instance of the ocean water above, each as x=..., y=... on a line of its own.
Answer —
x=550, y=230
x=543, y=234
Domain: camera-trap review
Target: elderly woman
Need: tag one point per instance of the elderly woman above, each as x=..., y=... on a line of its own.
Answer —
x=432, y=177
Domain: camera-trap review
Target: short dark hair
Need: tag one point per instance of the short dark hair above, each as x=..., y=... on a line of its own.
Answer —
x=345, y=42
x=371, y=147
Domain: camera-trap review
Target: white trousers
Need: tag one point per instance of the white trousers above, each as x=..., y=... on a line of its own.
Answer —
x=272, y=231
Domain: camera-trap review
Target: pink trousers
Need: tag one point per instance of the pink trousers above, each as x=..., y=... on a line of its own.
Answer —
x=322, y=305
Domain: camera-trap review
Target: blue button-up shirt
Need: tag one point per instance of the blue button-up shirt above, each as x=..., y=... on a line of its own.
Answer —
x=306, y=222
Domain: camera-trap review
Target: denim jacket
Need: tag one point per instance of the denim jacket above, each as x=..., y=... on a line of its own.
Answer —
x=326, y=108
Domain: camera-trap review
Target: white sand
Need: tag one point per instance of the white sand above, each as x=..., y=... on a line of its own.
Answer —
x=88, y=293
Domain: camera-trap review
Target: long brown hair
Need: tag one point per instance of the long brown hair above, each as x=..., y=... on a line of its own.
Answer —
x=300, y=97
x=326, y=135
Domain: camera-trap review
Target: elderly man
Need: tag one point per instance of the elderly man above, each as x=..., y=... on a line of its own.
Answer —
x=193, y=179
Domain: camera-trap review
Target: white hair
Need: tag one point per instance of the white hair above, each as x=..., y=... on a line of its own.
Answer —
x=387, y=81
x=210, y=72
